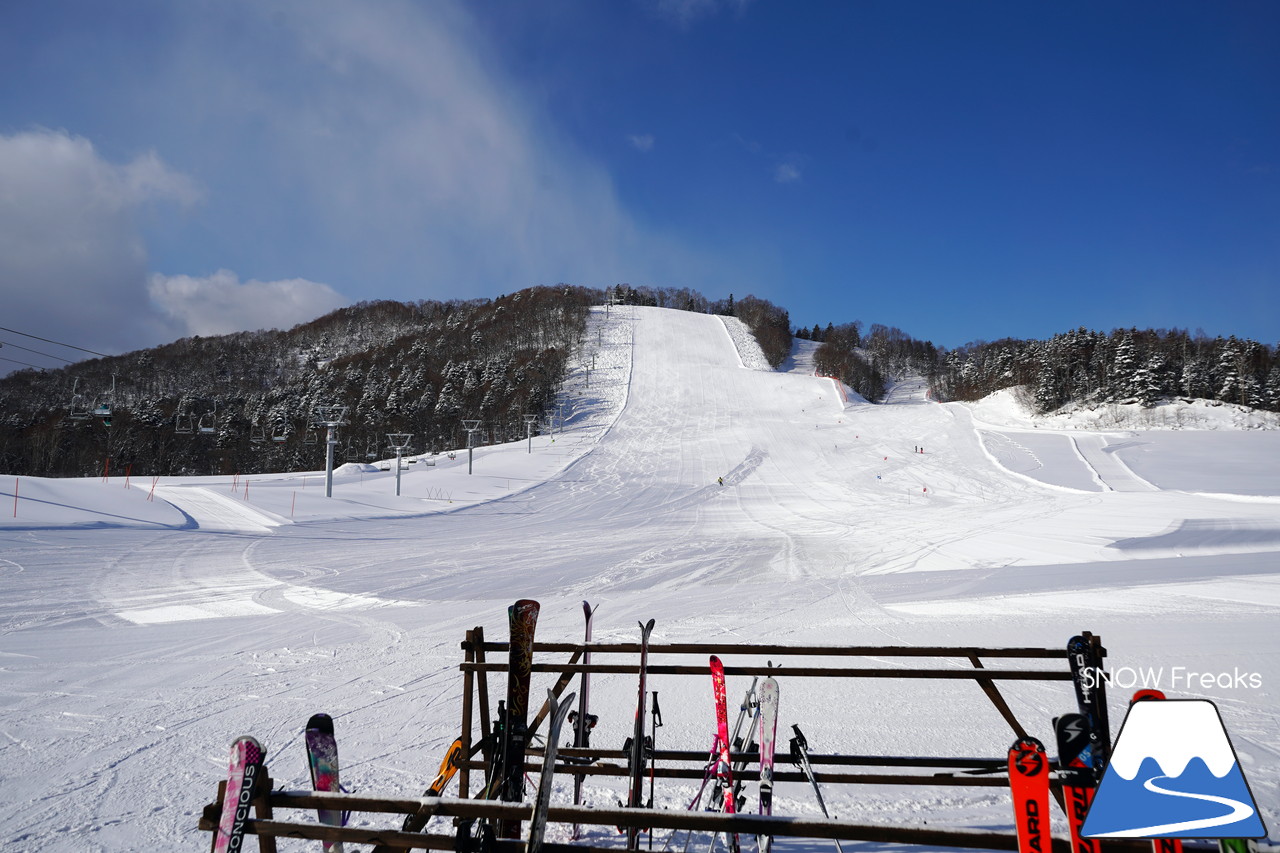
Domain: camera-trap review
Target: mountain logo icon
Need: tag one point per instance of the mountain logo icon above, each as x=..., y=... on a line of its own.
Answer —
x=1173, y=774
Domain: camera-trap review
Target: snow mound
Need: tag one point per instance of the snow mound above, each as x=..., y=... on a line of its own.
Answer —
x=356, y=468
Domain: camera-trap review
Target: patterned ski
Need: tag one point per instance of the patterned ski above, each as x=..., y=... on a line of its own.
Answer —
x=322, y=759
x=1029, y=782
x=724, y=769
x=768, y=733
x=635, y=798
x=1075, y=755
x=247, y=756
x=538, y=823
x=523, y=618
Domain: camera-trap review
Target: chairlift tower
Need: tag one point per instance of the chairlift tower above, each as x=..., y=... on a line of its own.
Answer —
x=470, y=427
x=330, y=416
x=529, y=421
x=399, y=442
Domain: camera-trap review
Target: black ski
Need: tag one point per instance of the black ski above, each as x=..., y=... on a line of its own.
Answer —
x=636, y=744
x=583, y=721
x=1075, y=757
x=538, y=823
x=1091, y=697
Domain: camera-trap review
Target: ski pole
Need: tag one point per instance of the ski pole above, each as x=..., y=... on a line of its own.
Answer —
x=800, y=756
x=655, y=717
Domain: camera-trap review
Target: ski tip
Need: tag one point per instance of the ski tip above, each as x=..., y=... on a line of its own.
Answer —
x=323, y=722
x=1147, y=693
x=247, y=746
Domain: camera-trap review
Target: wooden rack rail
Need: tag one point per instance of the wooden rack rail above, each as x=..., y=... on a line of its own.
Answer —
x=267, y=828
x=664, y=659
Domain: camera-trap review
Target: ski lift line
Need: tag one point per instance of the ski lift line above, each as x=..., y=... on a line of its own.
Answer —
x=36, y=351
x=57, y=343
x=23, y=363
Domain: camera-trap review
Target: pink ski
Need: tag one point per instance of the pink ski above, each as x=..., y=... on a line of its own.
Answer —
x=246, y=765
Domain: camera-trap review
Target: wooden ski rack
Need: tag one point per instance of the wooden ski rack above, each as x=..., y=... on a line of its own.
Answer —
x=673, y=659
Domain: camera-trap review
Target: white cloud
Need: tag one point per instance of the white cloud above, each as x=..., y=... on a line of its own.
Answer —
x=220, y=303
x=641, y=141
x=410, y=158
x=72, y=262
x=787, y=172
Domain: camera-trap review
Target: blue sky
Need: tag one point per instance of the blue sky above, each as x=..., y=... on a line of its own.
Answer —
x=961, y=170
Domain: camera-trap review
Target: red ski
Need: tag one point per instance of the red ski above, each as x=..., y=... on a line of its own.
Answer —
x=724, y=769
x=1029, y=782
x=1158, y=845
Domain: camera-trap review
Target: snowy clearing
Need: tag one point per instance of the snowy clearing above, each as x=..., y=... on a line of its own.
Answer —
x=141, y=632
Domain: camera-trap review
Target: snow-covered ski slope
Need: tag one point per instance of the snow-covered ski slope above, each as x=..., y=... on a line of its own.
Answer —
x=138, y=637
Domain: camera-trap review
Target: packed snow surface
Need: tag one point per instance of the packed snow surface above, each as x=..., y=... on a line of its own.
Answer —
x=145, y=625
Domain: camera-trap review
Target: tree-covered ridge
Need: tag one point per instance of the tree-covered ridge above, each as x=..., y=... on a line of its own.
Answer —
x=1125, y=366
x=247, y=402
x=866, y=362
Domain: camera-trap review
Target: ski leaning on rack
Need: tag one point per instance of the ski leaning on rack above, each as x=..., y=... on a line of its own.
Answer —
x=448, y=768
x=1029, y=783
x=800, y=756
x=1158, y=845
x=768, y=703
x=743, y=739
x=322, y=760
x=1075, y=757
x=523, y=618
x=1088, y=679
x=584, y=721
x=724, y=768
x=247, y=756
x=538, y=823
x=635, y=745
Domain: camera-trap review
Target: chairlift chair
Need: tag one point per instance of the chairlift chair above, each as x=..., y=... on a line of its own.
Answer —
x=184, y=424
x=79, y=411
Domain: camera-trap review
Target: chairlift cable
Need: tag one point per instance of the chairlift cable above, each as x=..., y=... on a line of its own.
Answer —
x=23, y=363
x=58, y=343
x=36, y=351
